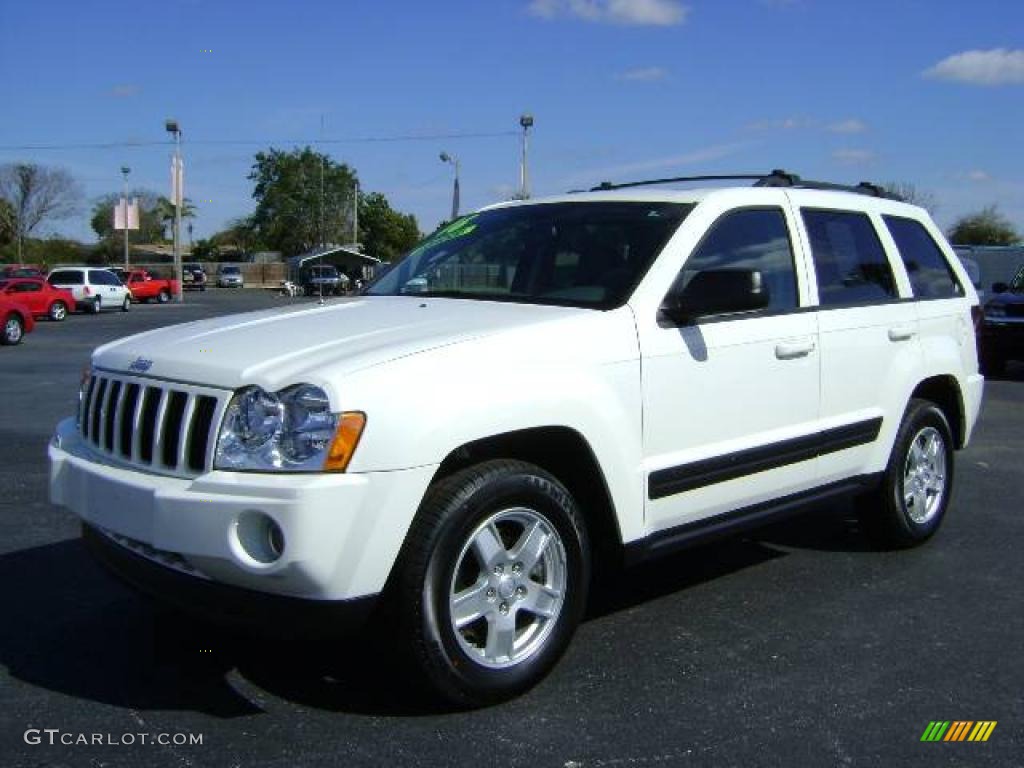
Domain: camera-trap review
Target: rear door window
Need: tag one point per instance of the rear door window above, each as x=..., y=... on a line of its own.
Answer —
x=849, y=260
x=929, y=272
x=67, y=277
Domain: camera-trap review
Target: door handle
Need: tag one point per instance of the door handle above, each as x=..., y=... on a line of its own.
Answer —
x=901, y=332
x=791, y=350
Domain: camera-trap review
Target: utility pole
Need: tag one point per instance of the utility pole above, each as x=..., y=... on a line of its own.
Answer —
x=178, y=195
x=125, y=205
x=526, y=121
x=355, y=212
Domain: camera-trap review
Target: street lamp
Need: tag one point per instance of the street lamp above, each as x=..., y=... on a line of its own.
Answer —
x=178, y=195
x=125, y=170
x=446, y=158
x=526, y=121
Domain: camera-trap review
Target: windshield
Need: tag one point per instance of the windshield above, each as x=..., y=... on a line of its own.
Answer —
x=229, y=271
x=589, y=254
x=1017, y=284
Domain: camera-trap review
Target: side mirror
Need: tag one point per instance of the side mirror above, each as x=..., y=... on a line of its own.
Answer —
x=1000, y=287
x=717, y=292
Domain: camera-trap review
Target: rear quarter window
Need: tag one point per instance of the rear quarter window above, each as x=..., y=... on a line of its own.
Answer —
x=66, y=277
x=929, y=272
x=103, y=277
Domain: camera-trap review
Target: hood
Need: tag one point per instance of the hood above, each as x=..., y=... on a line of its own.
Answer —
x=278, y=347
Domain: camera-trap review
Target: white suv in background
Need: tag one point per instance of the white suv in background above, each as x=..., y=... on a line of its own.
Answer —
x=94, y=288
x=539, y=391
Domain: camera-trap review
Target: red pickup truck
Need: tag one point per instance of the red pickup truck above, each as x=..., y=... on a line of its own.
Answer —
x=145, y=287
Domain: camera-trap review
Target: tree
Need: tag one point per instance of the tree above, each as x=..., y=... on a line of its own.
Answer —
x=165, y=210
x=303, y=199
x=384, y=232
x=6, y=222
x=37, y=194
x=204, y=250
x=151, y=223
x=986, y=227
x=911, y=194
x=240, y=236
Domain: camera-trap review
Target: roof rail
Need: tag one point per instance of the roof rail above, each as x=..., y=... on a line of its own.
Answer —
x=777, y=178
x=605, y=185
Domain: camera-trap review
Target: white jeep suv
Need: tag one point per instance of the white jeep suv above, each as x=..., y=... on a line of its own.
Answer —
x=538, y=391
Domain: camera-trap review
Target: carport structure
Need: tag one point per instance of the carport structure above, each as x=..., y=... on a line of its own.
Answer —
x=346, y=258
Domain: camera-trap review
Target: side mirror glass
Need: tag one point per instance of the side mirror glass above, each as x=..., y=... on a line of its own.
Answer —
x=1000, y=287
x=717, y=292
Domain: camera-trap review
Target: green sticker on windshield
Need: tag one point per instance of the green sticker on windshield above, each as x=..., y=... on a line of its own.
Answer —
x=458, y=228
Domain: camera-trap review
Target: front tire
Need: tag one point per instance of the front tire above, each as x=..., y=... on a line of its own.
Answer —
x=911, y=502
x=58, y=311
x=96, y=305
x=13, y=331
x=126, y=304
x=492, y=581
x=163, y=297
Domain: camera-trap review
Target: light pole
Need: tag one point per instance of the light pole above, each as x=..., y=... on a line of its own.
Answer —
x=125, y=170
x=178, y=195
x=526, y=121
x=446, y=158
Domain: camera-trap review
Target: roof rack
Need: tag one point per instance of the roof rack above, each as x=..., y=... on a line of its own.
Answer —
x=777, y=178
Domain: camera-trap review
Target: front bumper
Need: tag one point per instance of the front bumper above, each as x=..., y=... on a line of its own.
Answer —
x=342, y=532
x=225, y=604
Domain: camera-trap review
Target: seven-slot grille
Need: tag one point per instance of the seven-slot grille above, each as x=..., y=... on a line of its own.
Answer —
x=168, y=426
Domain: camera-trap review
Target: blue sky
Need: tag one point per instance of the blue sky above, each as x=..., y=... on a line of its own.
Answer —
x=926, y=92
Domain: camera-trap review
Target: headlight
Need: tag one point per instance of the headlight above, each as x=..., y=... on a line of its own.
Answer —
x=288, y=431
x=83, y=388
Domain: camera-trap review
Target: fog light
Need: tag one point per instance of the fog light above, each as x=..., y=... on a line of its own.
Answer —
x=259, y=537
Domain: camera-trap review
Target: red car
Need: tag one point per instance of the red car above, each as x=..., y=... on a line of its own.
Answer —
x=39, y=297
x=21, y=270
x=145, y=287
x=15, y=321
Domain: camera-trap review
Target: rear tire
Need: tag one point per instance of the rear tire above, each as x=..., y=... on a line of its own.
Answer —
x=13, y=330
x=96, y=305
x=126, y=304
x=163, y=297
x=911, y=501
x=491, y=582
x=58, y=311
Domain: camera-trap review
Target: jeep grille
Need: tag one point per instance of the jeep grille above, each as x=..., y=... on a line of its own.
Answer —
x=166, y=426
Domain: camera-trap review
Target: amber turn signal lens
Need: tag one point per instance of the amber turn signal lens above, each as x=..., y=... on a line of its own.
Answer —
x=346, y=438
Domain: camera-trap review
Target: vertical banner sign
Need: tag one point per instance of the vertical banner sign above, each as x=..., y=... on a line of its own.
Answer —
x=177, y=181
x=126, y=214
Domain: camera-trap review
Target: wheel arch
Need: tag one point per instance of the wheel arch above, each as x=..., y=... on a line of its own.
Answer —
x=945, y=392
x=564, y=453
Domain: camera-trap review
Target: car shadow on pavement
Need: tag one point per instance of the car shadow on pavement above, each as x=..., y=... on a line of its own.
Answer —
x=70, y=628
x=73, y=629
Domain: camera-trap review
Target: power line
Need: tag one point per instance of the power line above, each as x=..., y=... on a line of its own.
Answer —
x=263, y=142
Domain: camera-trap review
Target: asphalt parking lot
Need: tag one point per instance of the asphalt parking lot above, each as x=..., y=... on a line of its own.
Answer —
x=795, y=646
